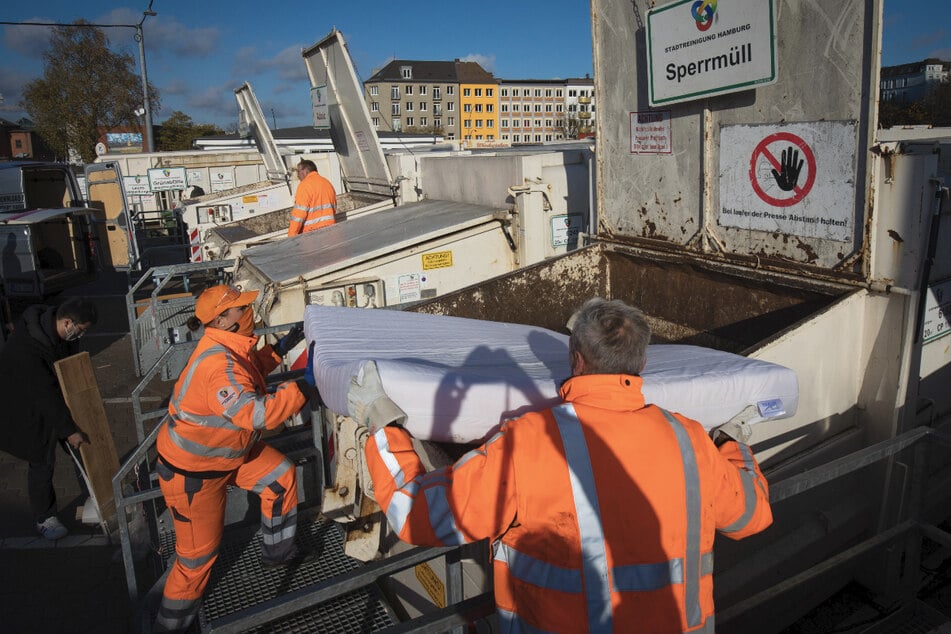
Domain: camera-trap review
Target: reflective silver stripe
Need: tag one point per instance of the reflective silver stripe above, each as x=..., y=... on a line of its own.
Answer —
x=293, y=219
x=279, y=528
x=317, y=208
x=197, y=561
x=216, y=349
x=709, y=627
x=392, y=464
x=400, y=505
x=479, y=451
x=748, y=479
x=440, y=515
x=206, y=421
x=513, y=624
x=175, y=614
x=216, y=422
x=273, y=476
x=646, y=577
x=199, y=449
x=319, y=219
x=593, y=555
x=537, y=572
x=692, y=494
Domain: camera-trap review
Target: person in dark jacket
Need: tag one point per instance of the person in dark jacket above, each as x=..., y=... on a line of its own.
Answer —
x=36, y=417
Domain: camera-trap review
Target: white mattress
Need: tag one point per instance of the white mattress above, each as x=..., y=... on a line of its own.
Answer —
x=458, y=379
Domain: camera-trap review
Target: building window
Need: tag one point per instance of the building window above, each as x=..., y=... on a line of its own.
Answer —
x=450, y=90
x=374, y=106
x=490, y=107
x=548, y=137
x=395, y=109
x=478, y=137
x=376, y=122
x=558, y=107
x=451, y=106
x=538, y=107
x=397, y=125
x=422, y=121
x=467, y=107
x=437, y=92
x=505, y=107
x=505, y=123
x=374, y=90
x=478, y=107
x=526, y=92
x=548, y=92
x=515, y=138
x=538, y=138
x=478, y=92
x=526, y=123
x=572, y=93
x=467, y=123
x=406, y=72
x=19, y=144
x=422, y=90
x=505, y=137
x=408, y=89
x=409, y=106
x=547, y=107
x=548, y=123
x=558, y=93
x=409, y=122
x=451, y=122
x=422, y=105
x=504, y=92
x=394, y=92
x=490, y=123
x=478, y=123
x=466, y=92
x=538, y=92
x=559, y=123
x=489, y=92
x=538, y=123
x=526, y=108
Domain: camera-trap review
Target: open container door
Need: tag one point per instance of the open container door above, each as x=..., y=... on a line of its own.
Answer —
x=252, y=124
x=112, y=225
x=361, y=157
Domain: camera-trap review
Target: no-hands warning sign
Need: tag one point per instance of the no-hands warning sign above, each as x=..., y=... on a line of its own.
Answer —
x=795, y=179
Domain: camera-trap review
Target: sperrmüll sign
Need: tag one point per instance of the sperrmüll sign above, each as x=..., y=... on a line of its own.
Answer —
x=701, y=48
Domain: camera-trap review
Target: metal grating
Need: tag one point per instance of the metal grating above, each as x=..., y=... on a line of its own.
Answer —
x=916, y=618
x=238, y=582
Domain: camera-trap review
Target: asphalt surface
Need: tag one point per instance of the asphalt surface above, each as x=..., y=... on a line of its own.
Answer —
x=76, y=584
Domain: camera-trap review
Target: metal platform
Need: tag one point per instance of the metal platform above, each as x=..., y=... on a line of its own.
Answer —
x=239, y=583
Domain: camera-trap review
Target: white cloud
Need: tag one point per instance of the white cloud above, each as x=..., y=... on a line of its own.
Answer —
x=287, y=64
x=29, y=41
x=485, y=61
x=166, y=35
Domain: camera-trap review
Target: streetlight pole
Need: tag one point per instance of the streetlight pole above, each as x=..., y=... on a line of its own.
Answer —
x=146, y=103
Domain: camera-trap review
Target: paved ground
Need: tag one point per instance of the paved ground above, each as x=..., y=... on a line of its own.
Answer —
x=78, y=583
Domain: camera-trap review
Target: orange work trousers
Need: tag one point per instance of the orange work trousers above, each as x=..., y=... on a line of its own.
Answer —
x=196, y=503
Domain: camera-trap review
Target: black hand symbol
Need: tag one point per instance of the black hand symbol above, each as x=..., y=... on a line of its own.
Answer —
x=791, y=165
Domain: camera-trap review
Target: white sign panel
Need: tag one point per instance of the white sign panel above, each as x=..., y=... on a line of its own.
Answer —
x=221, y=180
x=937, y=312
x=700, y=48
x=650, y=132
x=196, y=177
x=136, y=185
x=565, y=229
x=797, y=179
x=167, y=178
x=318, y=100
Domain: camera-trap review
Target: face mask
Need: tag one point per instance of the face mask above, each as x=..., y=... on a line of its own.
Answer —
x=73, y=333
x=245, y=324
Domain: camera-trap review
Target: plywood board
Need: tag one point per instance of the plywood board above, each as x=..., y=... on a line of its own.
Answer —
x=81, y=392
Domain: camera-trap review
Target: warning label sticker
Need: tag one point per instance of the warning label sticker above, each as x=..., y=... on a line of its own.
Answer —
x=796, y=179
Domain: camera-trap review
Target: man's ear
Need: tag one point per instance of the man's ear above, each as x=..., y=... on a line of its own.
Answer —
x=577, y=363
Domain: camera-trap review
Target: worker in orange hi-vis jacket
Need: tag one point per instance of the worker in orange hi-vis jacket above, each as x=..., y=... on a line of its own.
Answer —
x=218, y=410
x=601, y=511
x=315, y=202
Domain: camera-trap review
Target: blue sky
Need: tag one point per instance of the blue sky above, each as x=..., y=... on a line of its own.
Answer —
x=197, y=53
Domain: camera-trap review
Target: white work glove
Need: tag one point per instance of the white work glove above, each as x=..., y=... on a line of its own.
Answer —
x=733, y=430
x=368, y=403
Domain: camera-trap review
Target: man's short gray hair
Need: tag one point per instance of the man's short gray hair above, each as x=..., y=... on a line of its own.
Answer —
x=611, y=336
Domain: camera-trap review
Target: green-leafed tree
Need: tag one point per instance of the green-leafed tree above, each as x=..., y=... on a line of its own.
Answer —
x=86, y=89
x=179, y=131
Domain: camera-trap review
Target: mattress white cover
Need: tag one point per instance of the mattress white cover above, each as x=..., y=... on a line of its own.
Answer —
x=458, y=379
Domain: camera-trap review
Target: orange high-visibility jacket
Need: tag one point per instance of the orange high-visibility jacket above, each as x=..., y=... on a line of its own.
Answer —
x=219, y=406
x=603, y=510
x=314, y=205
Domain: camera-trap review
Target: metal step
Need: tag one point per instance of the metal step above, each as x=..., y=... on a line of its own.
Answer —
x=238, y=584
x=916, y=618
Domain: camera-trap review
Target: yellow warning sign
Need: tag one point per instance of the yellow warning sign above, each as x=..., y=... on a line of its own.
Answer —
x=440, y=260
x=249, y=199
x=434, y=587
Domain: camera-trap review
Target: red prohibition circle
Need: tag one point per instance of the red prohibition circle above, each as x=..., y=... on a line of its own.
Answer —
x=800, y=191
